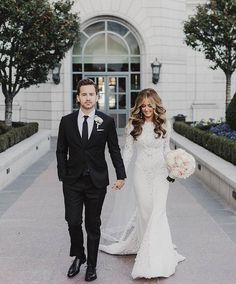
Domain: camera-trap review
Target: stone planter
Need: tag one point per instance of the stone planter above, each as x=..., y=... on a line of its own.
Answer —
x=216, y=173
x=15, y=160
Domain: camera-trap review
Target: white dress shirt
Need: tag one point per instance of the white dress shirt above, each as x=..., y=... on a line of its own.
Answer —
x=90, y=121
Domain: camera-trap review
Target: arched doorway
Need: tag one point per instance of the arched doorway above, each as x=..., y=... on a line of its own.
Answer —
x=109, y=54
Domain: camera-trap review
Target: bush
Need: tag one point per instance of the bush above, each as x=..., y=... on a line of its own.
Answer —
x=223, y=129
x=3, y=127
x=231, y=113
x=220, y=145
x=205, y=140
x=233, y=154
x=18, y=132
x=3, y=143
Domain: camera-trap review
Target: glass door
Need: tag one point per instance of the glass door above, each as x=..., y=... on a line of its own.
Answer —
x=113, y=98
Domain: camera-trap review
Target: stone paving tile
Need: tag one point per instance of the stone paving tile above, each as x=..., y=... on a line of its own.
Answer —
x=13, y=191
x=218, y=209
x=232, y=236
x=208, y=252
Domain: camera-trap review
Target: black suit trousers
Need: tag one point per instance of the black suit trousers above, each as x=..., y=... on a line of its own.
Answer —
x=83, y=194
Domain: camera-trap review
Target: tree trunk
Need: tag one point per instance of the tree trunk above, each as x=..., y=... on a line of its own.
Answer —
x=8, y=111
x=228, y=90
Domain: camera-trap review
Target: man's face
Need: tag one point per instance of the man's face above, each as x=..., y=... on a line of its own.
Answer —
x=87, y=97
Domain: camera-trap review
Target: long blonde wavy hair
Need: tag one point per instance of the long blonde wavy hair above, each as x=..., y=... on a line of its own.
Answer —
x=137, y=118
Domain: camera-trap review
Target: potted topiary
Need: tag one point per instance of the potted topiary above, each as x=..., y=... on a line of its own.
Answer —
x=180, y=117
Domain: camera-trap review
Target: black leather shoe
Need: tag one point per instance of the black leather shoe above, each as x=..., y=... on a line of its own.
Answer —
x=75, y=267
x=90, y=273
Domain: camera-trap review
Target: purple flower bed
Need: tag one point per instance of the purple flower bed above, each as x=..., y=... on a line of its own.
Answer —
x=223, y=129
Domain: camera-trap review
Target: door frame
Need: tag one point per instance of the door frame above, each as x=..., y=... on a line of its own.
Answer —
x=108, y=111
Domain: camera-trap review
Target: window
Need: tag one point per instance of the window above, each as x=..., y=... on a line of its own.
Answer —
x=108, y=47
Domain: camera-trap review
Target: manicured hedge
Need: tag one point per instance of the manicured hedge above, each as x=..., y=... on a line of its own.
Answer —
x=219, y=145
x=19, y=131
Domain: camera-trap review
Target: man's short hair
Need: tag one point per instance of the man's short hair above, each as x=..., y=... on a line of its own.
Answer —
x=86, y=82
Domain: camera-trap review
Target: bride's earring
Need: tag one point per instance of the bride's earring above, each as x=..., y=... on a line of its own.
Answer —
x=141, y=115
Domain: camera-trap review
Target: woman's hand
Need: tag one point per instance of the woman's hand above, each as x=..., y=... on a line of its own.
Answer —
x=118, y=184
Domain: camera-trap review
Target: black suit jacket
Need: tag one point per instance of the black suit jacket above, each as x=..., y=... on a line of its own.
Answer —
x=72, y=155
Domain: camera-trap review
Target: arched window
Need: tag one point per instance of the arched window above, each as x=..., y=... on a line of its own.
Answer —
x=109, y=53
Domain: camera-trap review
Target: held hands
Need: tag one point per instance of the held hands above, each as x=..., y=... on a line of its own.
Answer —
x=118, y=184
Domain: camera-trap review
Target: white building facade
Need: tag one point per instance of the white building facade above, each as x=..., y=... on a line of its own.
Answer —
x=119, y=41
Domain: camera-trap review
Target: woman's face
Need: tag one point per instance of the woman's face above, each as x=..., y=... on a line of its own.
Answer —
x=147, y=109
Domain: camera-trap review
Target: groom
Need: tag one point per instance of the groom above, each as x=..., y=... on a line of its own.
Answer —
x=83, y=171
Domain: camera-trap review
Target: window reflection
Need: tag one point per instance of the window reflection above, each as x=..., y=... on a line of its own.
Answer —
x=101, y=93
x=77, y=49
x=122, y=84
x=116, y=67
x=135, y=81
x=112, y=101
x=133, y=98
x=77, y=67
x=112, y=83
x=117, y=27
x=96, y=67
x=114, y=115
x=122, y=120
x=76, y=78
x=115, y=45
x=122, y=101
x=135, y=63
x=95, y=28
x=133, y=44
x=75, y=104
x=96, y=45
x=135, y=66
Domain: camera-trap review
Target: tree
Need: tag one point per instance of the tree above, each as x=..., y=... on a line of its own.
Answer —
x=212, y=30
x=34, y=36
x=231, y=113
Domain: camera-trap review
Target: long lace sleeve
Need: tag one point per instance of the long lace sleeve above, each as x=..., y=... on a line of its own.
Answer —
x=167, y=139
x=129, y=146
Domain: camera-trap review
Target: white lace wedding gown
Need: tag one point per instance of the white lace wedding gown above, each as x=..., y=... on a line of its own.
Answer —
x=148, y=234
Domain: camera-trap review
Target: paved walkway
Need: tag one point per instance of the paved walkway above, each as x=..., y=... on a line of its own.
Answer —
x=34, y=240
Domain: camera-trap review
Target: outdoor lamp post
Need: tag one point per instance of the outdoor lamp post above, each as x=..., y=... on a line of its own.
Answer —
x=156, y=68
x=56, y=73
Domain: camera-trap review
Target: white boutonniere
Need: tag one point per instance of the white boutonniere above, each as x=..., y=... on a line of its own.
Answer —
x=98, y=120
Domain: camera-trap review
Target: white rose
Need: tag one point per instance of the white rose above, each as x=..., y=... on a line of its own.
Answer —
x=98, y=120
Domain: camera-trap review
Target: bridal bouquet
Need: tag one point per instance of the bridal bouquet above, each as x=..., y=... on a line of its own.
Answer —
x=180, y=164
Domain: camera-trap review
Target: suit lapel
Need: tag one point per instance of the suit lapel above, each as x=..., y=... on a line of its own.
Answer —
x=93, y=130
x=75, y=126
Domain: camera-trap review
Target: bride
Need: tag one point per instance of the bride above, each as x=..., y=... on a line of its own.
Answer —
x=146, y=232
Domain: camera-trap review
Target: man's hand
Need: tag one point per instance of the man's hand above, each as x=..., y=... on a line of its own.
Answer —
x=118, y=184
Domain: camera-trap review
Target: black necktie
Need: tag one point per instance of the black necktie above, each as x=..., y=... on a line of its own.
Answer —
x=85, y=130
